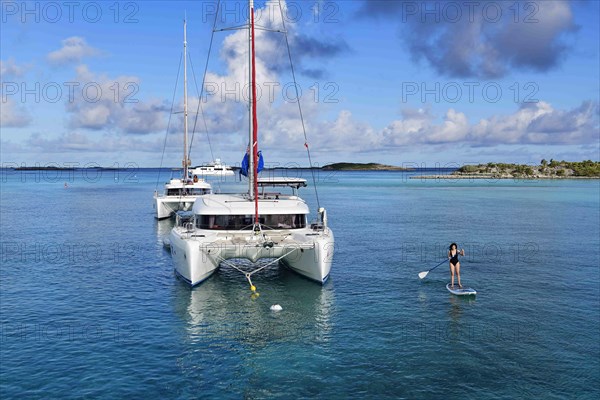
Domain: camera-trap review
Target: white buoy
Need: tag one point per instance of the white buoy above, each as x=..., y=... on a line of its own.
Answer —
x=276, y=307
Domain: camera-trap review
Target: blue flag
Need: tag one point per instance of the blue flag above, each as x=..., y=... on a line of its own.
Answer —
x=246, y=164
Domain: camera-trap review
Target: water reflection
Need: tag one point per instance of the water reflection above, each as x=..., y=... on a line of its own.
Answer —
x=455, y=309
x=163, y=229
x=221, y=309
x=455, y=312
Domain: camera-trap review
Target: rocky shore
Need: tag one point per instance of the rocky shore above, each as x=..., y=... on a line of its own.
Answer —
x=546, y=170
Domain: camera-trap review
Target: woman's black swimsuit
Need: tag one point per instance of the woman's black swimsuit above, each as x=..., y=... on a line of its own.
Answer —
x=454, y=259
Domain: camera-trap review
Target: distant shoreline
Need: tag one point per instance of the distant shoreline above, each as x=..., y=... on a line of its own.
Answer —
x=66, y=168
x=491, y=171
x=329, y=167
x=495, y=177
x=546, y=170
x=345, y=166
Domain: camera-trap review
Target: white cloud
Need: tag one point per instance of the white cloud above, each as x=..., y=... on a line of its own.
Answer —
x=73, y=50
x=13, y=115
x=345, y=134
x=535, y=123
x=419, y=128
x=9, y=68
x=540, y=123
x=81, y=142
x=105, y=103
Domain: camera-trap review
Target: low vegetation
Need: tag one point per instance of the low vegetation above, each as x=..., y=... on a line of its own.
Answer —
x=546, y=169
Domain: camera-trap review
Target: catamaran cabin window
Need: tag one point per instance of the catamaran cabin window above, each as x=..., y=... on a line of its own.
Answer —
x=186, y=192
x=237, y=222
x=198, y=192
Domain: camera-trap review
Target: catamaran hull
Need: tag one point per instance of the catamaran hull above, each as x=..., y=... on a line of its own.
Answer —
x=165, y=208
x=190, y=264
x=314, y=263
x=196, y=260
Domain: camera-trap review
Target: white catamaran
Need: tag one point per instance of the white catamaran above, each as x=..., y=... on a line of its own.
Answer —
x=180, y=193
x=269, y=221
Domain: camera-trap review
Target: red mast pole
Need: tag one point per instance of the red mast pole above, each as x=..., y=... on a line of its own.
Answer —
x=254, y=121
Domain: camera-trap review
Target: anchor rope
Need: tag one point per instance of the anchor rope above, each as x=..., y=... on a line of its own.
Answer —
x=248, y=274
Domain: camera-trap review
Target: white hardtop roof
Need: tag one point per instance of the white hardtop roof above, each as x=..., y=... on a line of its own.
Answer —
x=282, y=181
x=239, y=204
x=179, y=184
x=216, y=162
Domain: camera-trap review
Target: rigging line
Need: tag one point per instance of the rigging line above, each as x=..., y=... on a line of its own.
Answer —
x=212, y=36
x=196, y=119
x=169, y=122
x=231, y=28
x=312, y=171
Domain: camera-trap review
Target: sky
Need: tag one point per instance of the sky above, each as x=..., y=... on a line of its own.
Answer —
x=425, y=83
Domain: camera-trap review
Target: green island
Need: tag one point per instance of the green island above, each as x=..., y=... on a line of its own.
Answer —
x=345, y=166
x=546, y=170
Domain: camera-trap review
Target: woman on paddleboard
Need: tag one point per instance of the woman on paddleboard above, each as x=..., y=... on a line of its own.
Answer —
x=453, y=254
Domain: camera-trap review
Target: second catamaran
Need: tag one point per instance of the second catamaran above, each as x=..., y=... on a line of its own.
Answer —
x=180, y=193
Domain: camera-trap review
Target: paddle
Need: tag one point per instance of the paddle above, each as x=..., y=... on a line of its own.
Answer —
x=424, y=273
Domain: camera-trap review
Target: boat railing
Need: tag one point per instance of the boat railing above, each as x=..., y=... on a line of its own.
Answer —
x=317, y=226
x=182, y=218
x=278, y=196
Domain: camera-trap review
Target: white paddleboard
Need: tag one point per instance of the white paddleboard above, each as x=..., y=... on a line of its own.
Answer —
x=461, y=292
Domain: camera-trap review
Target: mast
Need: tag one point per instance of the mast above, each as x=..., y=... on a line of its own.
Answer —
x=250, y=100
x=186, y=161
x=253, y=156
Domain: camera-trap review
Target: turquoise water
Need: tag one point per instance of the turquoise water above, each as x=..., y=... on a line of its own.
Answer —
x=90, y=307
